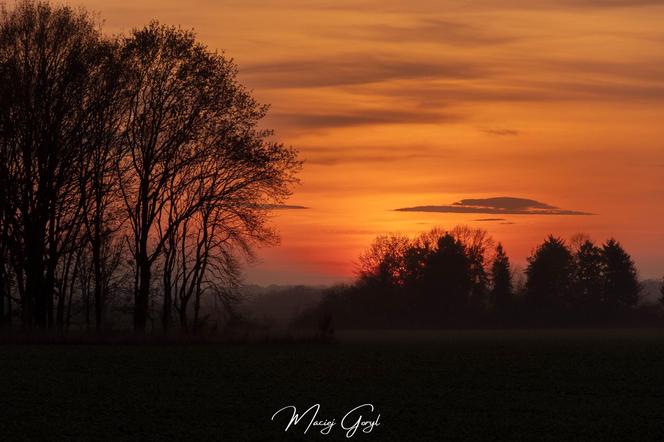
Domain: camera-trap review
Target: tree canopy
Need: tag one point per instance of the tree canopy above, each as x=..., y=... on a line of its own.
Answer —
x=135, y=164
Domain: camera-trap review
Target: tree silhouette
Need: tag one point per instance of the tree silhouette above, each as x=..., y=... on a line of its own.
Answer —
x=144, y=147
x=621, y=284
x=550, y=271
x=193, y=148
x=98, y=183
x=428, y=282
x=501, y=279
x=588, y=278
x=476, y=242
x=447, y=278
x=45, y=122
x=384, y=262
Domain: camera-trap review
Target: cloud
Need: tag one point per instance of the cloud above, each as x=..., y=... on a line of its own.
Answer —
x=355, y=117
x=618, y=88
x=431, y=6
x=608, y=3
x=372, y=154
x=282, y=207
x=650, y=70
x=490, y=219
x=428, y=30
x=434, y=6
x=499, y=205
x=372, y=159
x=504, y=202
x=353, y=69
x=500, y=132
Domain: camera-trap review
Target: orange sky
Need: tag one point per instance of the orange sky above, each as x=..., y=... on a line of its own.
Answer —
x=398, y=104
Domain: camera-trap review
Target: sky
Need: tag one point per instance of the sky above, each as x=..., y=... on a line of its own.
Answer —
x=522, y=118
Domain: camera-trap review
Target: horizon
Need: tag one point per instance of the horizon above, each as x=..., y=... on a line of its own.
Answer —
x=419, y=107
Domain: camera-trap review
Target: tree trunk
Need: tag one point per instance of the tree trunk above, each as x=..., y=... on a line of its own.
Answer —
x=3, y=296
x=99, y=284
x=166, y=311
x=33, y=308
x=142, y=296
x=197, y=309
x=169, y=262
x=183, y=315
x=49, y=292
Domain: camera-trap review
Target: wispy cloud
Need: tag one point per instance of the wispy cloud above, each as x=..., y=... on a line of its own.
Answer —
x=364, y=117
x=354, y=69
x=606, y=3
x=500, y=132
x=282, y=207
x=435, y=5
x=498, y=205
x=427, y=30
x=627, y=87
x=374, y=154
x=330, y=160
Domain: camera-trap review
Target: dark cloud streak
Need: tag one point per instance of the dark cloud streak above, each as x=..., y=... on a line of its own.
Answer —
x=354, y=69
x=498, y=205
x=501, y=132
x=282, y=207
x=489, y=219
x=364, y=117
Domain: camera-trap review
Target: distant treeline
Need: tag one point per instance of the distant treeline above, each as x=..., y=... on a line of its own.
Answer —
x=134, y=174
x=461, y=278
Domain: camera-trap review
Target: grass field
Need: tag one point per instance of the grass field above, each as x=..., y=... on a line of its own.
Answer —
x=438, y=386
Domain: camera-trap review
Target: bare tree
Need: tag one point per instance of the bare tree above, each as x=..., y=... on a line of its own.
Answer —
x=99, y=186
x=192, y=140
x=45, y=58
x=146, y=144
x=477, y=243
x=385, y=260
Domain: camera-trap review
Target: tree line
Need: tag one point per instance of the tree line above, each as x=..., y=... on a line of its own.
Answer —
x=131, y=167
x=461, y=277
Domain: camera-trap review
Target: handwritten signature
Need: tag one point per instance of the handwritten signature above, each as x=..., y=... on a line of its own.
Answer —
x=351, y=422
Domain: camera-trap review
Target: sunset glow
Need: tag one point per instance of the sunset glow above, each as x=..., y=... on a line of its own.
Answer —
x=396, y=104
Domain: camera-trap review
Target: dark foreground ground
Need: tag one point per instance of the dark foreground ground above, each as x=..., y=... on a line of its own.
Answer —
x=439, y=386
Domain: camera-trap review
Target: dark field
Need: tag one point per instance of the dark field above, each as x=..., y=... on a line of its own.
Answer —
x=535, y=385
